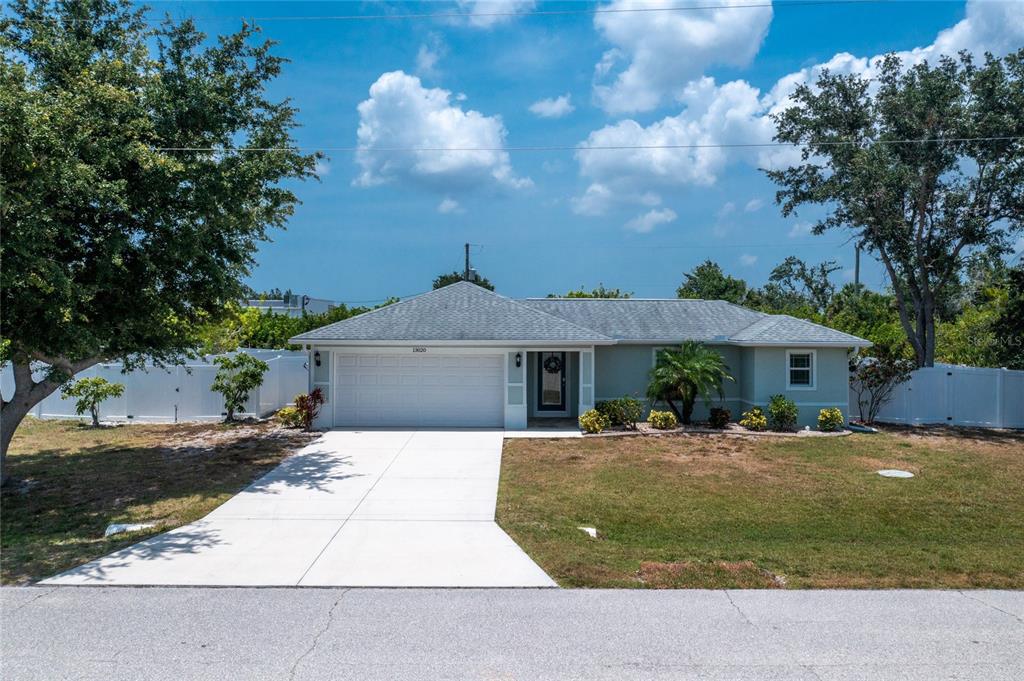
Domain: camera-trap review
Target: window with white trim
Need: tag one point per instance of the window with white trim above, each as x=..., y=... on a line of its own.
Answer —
x=800, y=369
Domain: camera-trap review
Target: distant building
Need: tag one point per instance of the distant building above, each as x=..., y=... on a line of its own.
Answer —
x=293, y=305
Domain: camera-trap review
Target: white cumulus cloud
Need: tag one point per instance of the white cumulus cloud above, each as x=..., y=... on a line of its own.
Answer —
x=680, y=150
x=449, y=205
x=737, y=113
x=748, y=260
x=429, y=55
x=553, y=107
x=800, y=229
x=490, y=13
x=402, y=114
x=655, y=54
x=753, y=205
x=647, y=221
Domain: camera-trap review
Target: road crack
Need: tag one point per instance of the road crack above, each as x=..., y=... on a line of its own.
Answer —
x=733, y=603
x=35, y=598
x=317, y=636
x=994, y=607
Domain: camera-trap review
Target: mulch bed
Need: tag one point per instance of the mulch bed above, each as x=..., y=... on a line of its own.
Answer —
x=733, y=429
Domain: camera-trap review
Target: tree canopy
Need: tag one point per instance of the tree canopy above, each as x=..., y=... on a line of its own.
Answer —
x=452, y=277
x=599, y=292
x=924, y=166
x=130, y=216
x=708, y=282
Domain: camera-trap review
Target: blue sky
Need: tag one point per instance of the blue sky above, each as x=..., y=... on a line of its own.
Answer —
x=382, y=223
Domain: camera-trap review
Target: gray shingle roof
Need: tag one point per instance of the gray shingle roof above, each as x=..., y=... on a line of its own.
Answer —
x=459, y=312
x=467, y=312
x=635, y=319
x=782, y=328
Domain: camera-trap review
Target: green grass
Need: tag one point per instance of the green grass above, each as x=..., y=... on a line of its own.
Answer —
x=70, y=481
x=714, y=511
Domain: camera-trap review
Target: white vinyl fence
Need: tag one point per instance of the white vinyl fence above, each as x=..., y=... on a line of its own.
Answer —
x=181, y=393
x=958, y=396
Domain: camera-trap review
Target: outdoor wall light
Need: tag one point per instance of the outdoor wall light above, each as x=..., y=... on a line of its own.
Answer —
x=519, y=359
x=316, y=358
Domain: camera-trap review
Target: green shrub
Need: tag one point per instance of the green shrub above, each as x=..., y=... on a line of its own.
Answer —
x=290, y=417
x=830, y=419
x=754, y=420
x=308, y=407
x=782, y=413
x=593, y=421
x=90, y=392
x=662, y=420
x=237, y=376
x=625, y=411
x=720, y=417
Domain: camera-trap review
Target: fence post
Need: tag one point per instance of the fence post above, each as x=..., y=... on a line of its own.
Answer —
x=1000, y=373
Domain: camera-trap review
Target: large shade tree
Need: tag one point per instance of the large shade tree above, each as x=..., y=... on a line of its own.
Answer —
x=129, y=214
x=924, y=165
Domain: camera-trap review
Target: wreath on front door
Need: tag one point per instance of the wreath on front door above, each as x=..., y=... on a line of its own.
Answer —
x=552, y=365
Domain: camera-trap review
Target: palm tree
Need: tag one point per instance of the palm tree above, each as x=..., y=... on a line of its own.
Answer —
x=685, y=373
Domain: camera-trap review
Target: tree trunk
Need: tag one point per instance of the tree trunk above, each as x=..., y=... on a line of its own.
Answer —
x=95, y=412
x=901, y=308
x=672, y=406
x=687, y=411
x=27, y=394
x=929, y=333
x=11, y=414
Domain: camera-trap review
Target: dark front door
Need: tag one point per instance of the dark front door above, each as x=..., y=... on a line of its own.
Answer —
x=551, y=381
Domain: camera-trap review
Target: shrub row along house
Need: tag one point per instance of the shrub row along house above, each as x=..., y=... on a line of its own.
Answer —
x=463, y=356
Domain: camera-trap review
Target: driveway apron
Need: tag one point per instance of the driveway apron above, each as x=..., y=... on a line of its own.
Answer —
x=396, y=508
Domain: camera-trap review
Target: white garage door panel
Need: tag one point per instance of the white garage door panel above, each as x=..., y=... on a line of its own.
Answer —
x=419, y=390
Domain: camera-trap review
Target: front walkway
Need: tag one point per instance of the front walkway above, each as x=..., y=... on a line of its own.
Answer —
x=355, y=508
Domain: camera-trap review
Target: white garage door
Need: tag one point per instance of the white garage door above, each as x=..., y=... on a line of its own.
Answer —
x=419, y=390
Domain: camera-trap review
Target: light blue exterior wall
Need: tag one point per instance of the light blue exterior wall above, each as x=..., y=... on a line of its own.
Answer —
x=622, y=370
x=768, y=377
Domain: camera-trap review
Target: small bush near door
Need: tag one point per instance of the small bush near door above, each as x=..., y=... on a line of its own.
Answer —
x=754, y=420
x=593, y=421
x=662, y=420
x=624, y=411
x=782, y=413
x=289, y=417
x=308, y=407
x=830, y=420
x=719, y=417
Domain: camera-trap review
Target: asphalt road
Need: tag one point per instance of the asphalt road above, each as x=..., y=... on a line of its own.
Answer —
x=228, y=633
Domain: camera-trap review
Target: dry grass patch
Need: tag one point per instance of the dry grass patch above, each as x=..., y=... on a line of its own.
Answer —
x=717, y=574
x=812, y=510
x=70, y=481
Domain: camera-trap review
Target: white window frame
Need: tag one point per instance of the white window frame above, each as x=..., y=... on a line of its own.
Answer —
x=814, y=369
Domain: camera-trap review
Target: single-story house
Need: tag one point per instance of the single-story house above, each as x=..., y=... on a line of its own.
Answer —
x=465, y=356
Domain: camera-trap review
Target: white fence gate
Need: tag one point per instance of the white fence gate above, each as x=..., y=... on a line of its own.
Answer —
x=958, y=396
x=180, y=393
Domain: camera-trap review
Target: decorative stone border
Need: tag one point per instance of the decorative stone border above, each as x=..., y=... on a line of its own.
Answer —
x=733, y=430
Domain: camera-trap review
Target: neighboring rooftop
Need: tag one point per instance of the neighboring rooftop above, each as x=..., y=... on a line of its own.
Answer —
x=466, y=312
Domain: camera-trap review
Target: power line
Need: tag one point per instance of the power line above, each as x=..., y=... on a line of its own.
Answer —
x=611, y=147
x=594, y=10
x=562, y=12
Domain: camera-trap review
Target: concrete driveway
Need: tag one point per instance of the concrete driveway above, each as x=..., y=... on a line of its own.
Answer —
x=355, y=508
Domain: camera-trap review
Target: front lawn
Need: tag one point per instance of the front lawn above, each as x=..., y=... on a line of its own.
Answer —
x=70, y=481
x=715, y=511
